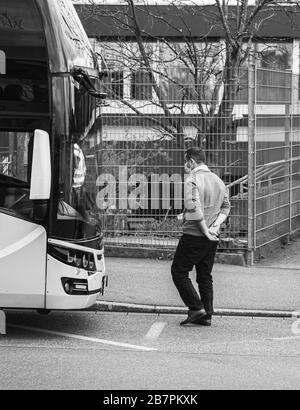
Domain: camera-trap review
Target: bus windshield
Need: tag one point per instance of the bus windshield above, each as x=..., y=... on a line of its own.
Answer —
x=74, y=212
x=23, y=59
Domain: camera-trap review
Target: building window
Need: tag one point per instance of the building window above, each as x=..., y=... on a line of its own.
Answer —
x=275, y=56
x=141, y=87
x=114, y=85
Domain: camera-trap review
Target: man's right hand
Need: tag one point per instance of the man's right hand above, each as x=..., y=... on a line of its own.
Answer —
x=212, y=237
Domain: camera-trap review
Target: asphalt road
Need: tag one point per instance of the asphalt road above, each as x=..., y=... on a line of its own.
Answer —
x=110, y=351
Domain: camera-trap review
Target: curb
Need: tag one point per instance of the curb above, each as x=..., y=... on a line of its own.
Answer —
x=140, y=308
x=280, y=267
x=115, y=251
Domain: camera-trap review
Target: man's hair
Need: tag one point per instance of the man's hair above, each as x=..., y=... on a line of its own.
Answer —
x=195, y=153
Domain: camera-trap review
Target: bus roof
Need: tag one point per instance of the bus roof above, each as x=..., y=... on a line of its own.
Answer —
x=68, y=44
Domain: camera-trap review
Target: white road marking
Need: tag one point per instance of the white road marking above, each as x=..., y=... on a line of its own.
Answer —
x=2, y=323
x=86, y=338
x=46, y=346
x=155, y=330
x=286, y=338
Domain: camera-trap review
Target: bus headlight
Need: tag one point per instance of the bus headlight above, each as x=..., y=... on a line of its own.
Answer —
x=73, y=257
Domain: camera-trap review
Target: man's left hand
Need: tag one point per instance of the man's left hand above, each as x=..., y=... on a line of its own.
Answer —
x=212, y=237
x=214, y=230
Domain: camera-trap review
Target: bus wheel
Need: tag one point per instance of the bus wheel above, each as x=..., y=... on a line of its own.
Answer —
x=43, y=311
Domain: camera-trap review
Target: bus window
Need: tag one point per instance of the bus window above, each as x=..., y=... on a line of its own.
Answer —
x=23, y=58
x=2, y=63
x=14, y=172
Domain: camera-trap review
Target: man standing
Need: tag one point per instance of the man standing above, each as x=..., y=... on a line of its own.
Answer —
x=207, y=206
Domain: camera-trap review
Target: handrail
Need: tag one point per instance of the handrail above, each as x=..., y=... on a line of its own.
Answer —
x=264, y=170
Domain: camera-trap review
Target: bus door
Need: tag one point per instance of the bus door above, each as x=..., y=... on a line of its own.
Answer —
x=23, y=242
x=22, y=263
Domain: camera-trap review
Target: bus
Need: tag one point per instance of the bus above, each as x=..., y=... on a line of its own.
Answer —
x=51, y=241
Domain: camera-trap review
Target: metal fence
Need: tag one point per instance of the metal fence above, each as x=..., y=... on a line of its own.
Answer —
x=251, y=137
x=274, y=201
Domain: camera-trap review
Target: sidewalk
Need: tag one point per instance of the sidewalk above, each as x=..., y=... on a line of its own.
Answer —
x=147, y=281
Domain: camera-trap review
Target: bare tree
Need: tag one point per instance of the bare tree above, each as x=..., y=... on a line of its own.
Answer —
x=214, y=72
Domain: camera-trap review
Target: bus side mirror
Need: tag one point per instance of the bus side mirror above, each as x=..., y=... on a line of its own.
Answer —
x=40, y=184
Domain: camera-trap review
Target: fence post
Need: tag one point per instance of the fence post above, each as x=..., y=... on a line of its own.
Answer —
x=251, y=159
x=293, y=100
x=287, y=157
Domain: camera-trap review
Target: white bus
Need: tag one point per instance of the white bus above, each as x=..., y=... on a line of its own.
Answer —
x=51, y=244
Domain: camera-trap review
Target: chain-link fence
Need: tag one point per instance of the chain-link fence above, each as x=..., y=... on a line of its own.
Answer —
x=249, y=129
x=274, y=204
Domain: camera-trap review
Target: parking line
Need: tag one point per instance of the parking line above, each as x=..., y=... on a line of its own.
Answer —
x=155, y=330
x=85, y=338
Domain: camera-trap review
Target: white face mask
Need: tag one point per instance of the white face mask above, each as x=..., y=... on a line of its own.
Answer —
x=188, y=167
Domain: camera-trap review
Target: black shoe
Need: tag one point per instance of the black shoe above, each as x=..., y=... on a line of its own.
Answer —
x=204, y=321
x=193, y=317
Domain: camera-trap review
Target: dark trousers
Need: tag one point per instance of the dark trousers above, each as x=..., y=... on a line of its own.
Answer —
x=199, y=252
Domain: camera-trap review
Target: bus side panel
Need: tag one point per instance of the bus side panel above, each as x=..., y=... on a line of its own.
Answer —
x=22, y=263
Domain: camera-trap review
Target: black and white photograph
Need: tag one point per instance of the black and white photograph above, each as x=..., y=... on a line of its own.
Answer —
x=149, y=198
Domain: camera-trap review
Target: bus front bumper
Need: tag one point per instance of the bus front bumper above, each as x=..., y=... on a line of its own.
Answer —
x=77, y=293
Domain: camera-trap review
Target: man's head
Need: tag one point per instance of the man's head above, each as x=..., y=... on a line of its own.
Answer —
x=193, y=158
